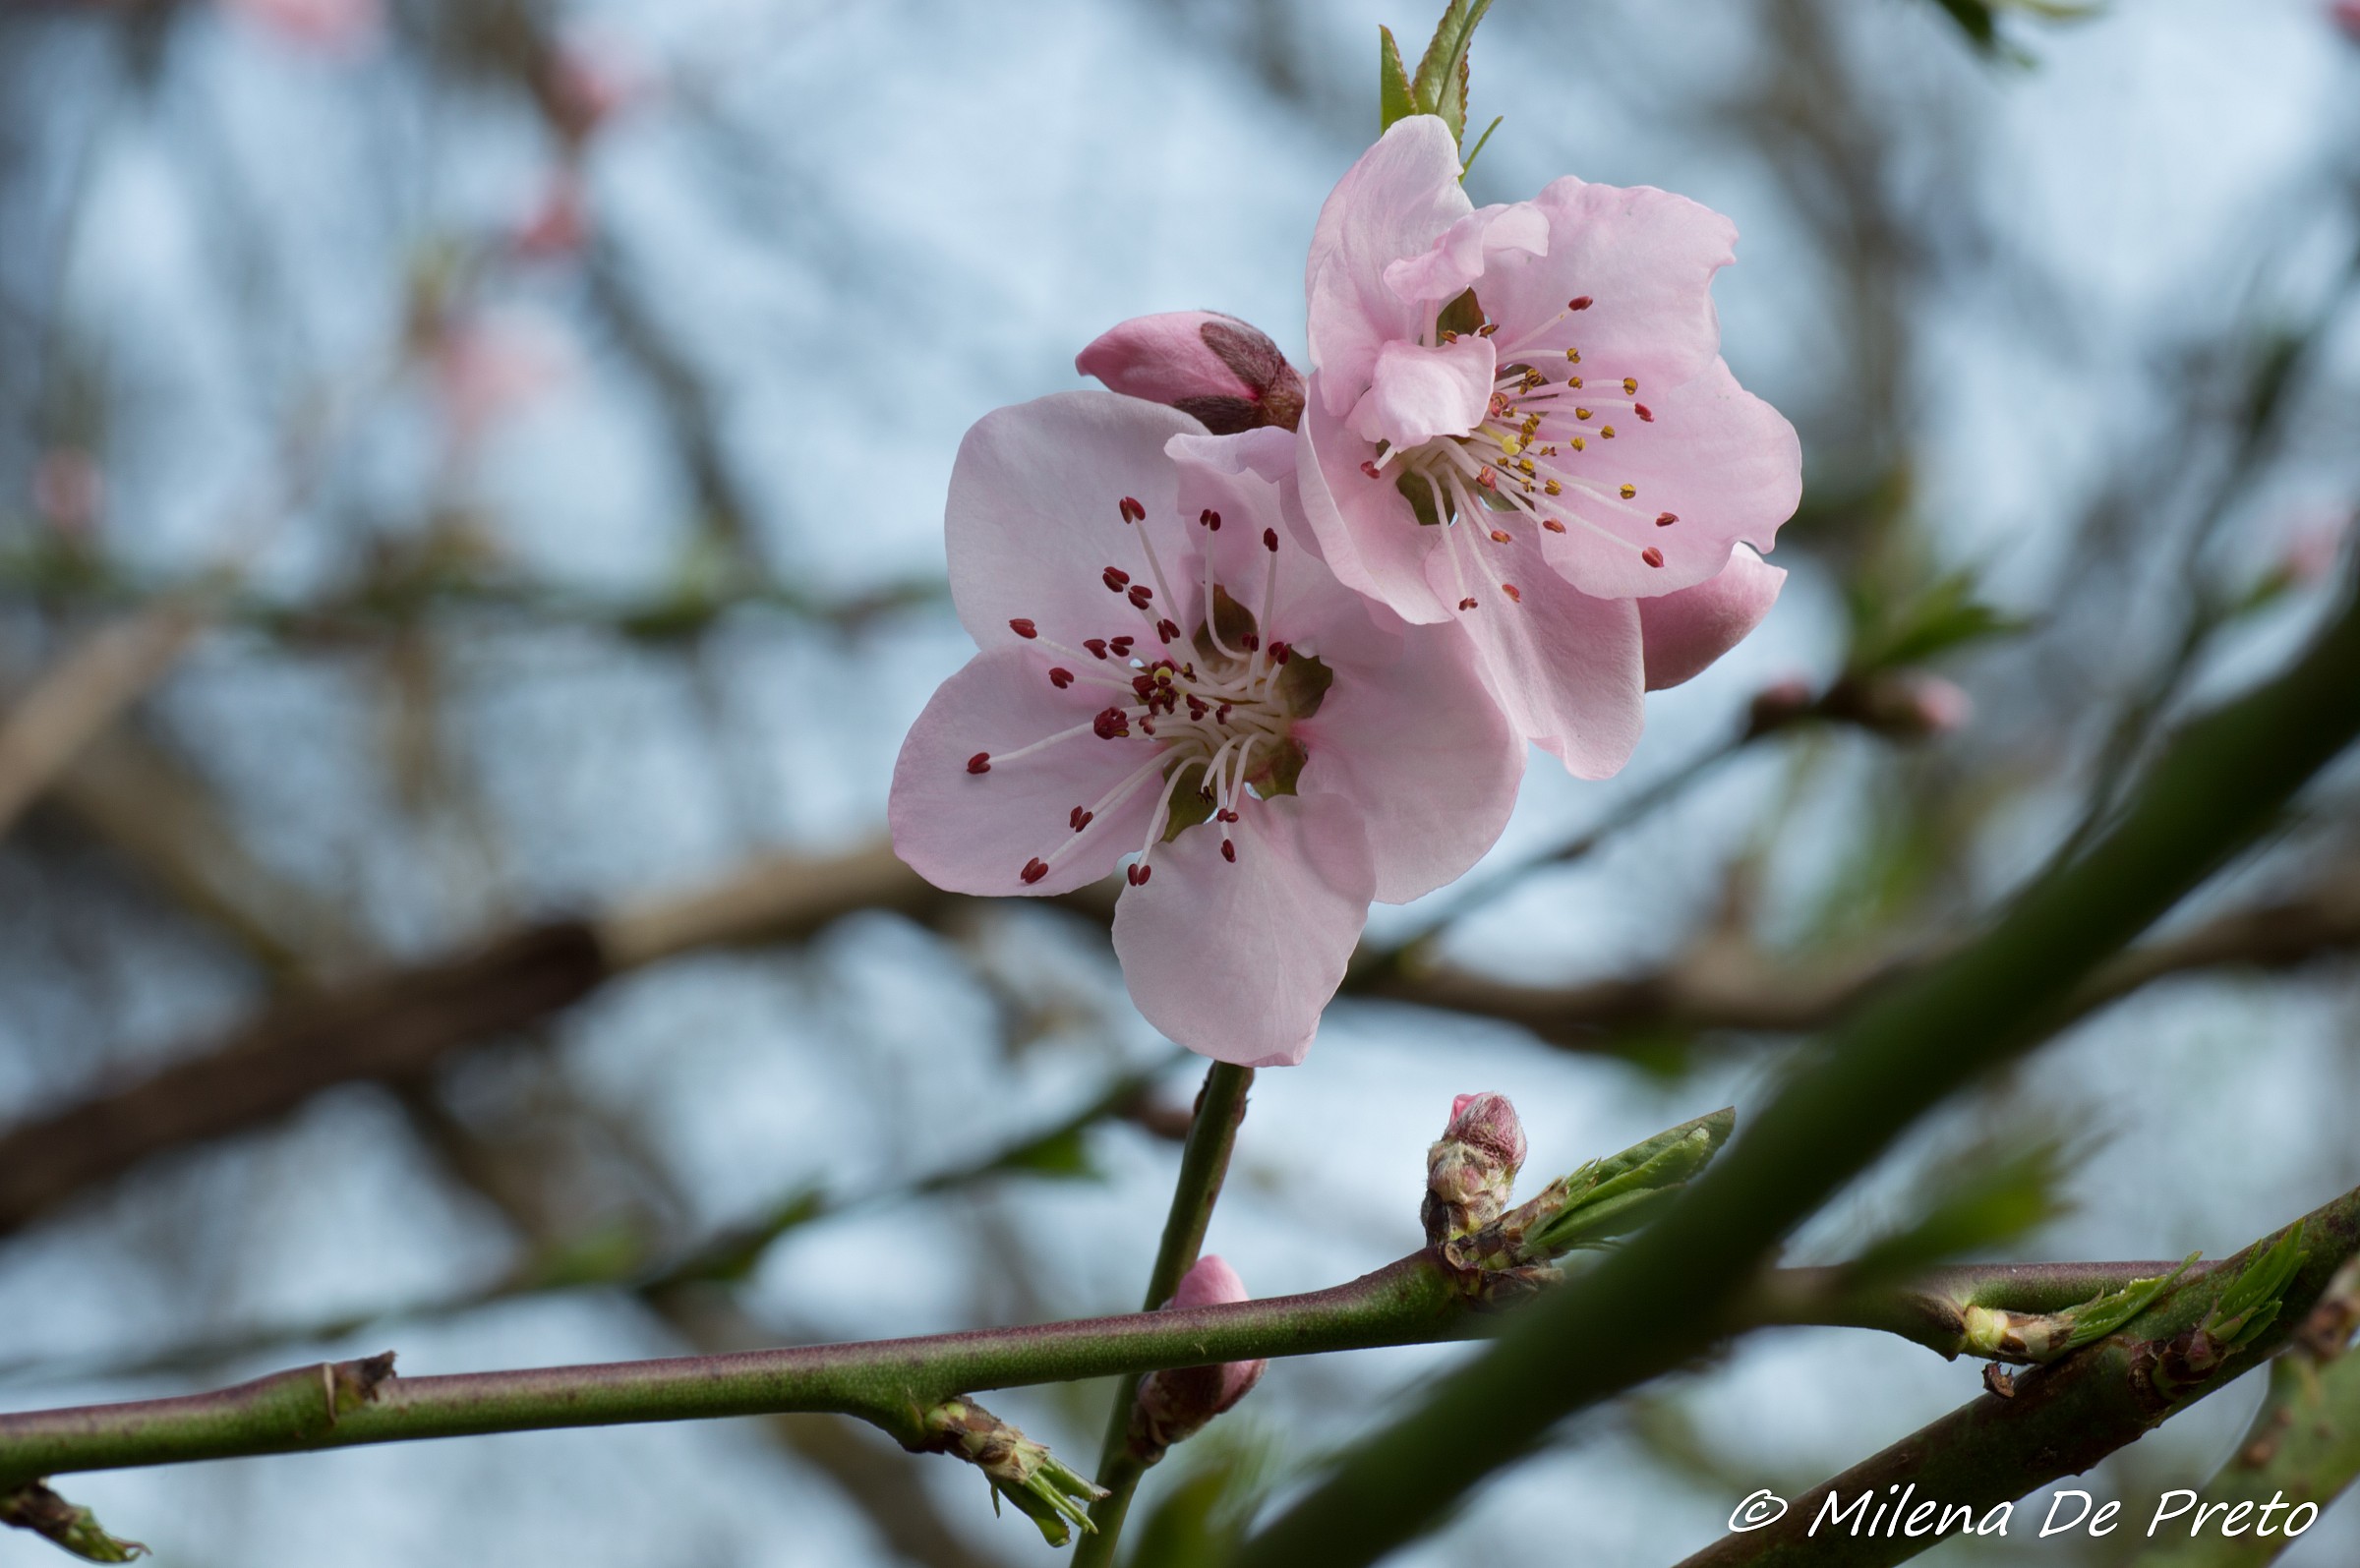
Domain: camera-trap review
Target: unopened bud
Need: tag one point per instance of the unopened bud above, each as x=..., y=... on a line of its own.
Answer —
x=2345, y=14
x=1226, y=374
x=1472, y=1170
x=1175, y=1404
x=1904, y=704
x=1780, y=704
x=1044, y=1489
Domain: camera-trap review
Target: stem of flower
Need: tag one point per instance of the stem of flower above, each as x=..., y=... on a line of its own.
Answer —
x=1204, y=1166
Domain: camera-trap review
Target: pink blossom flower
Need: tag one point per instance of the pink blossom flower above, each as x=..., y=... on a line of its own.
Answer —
x=1225, y=372
x=1517, y=417
x=338, y=27
x=1176, y=1403
x=1166, y=671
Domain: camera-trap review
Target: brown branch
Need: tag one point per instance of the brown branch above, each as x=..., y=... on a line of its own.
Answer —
x=402, y=1021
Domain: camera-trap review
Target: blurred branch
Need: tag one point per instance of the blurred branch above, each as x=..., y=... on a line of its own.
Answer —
x=2227, y=778
x=2061, y=1419
x=401, y=1022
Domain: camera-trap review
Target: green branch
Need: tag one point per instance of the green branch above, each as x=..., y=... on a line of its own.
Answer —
x=1203, y=1167
x=1646, y=1310
x=2065, y=1417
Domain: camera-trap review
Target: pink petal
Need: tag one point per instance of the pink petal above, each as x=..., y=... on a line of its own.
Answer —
x=1643, y=259
x=1687, y=630
x=1568, y=668
x=1235, y=961
x=1162, y=358
x=1210, y=1283
x=975, y=832
x=1418, y=393
x=1450, y=267
x=1716, y=458
x=1034, y=517
x=1401, y=197
x=1427, y=759
x=1366, y=532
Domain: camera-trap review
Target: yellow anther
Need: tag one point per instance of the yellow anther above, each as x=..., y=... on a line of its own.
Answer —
x=1628, y=491
x=1607, y=430
x=1553, y=486
x=1582, y=413
x=1579, y=444
x=1630, y=384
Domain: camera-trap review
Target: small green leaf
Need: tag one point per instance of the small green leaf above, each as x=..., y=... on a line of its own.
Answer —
x=1440, y=85
x=1481, y=142
x=2104, y=1313
x=2250, y=1304
x=1394, y=101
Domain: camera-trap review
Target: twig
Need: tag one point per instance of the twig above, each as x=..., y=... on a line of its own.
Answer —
x=1203, y=1167
x=1649, y=1306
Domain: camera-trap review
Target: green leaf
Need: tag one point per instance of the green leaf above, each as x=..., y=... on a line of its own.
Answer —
x=1618, y=1195
x=1394, y=101
x=2250, y=1304
x=1481, y=142
x=2104, y=1313
x=1440, y=85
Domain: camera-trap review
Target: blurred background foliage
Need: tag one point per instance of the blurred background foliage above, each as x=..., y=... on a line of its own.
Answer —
x=470, y=483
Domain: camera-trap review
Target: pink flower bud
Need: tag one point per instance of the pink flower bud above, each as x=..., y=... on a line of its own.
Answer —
x=1224, y=373
x=2345, y=14
x=1937, y=706
x=1176, y=1403
x=1471, y=1171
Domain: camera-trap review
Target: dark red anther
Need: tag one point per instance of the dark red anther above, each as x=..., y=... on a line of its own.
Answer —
x=1147, y=725
x=1224, y=815
x=1513, y=597
x=1169, y=630
x=980, y=762
x=1138, y=875
x=1467, y=603
x=1061, y=677
x=1251, y=641
x=1497, y=408
x=1553, y=525
x=1121, y=647
x=1144, y=686
x=1023, y=628
x=1115, y=578
x=1133, y=511
x=1368, y=466
x=1665, y=519
x=1111, y=725
x=1270, y=539
x=1035, y=869
x=1280, y=653
x=1097, y=645
x=1229, y=851
x=1220, y=714
x=1499, y=536
x=1652, y=556
x=1579, y=302
x=1485, y=478
x=1643, y=412
x=1196, y=706
x=1141, y=593
x=1082, y=819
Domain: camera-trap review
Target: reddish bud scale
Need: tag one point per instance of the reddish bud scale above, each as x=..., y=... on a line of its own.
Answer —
x=1035, y=869
x=1023, y=628
x=980, y=762
x=1652, y=556
x=1061, y=677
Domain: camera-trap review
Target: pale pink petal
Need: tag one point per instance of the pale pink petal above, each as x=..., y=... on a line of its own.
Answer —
x=1236, y=960
x=1034, y=510
x=1450, y=267
x=1420, y=393
x=1568, y=668
x=1642, y=258
x=1366, y=532
x=1427, y=759
x=1721, y=463
x=1401, y=197
x=1686, y=631
x=976, y=832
